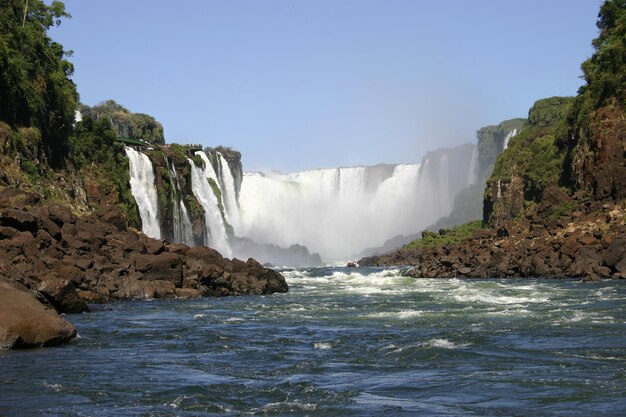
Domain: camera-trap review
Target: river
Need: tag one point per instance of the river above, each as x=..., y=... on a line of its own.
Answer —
x=341, y=342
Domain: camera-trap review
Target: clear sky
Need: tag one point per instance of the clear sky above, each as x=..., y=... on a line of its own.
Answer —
x=299, y=84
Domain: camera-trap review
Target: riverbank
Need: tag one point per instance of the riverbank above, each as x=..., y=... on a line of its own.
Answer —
x=65, y=262
x=561, y=237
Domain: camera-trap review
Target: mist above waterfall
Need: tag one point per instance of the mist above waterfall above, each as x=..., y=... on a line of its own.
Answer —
x=338, y=212
x=333, y=212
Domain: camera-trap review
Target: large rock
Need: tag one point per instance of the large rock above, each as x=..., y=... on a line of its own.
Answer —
x=18, y=219
x=62, y=295
x=25, y=322
x=164, y=266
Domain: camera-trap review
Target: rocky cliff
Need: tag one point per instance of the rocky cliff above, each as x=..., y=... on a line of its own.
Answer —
x=125, y=123
x=66, y=262
x=555, y=203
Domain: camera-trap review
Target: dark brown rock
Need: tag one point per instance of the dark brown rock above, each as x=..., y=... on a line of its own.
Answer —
x=188, y=293
x=25, y=322
x=615, y=252
x=165, y=266
x=62, y=295
x=114, y=216
x=19, y=220
x=7, y=232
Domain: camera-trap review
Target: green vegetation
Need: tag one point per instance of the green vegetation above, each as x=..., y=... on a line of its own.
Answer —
x=35, y=88
x=491, y=142
x=605, y=74
x=445, y=236
x=179, y=151
x=195, y=209
x=129, y=141
x=561, y=210
x=95, y=153
x=534, y=154
x=198, y=161
x=605, y=71
x=127, y=124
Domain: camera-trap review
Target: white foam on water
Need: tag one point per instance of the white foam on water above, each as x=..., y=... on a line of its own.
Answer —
x=199, y=316
x=289, y=406
x=468, y=294
x=233, y=320
x=403, y=314
x=322, y=346
x=54, y=387
x=444, y=344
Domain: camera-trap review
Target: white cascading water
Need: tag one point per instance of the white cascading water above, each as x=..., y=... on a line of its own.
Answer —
x=472, y=175
x=215, y=236
x=229, y=196
x=143, y=188
x=508, y=137
x=339, y=212
x=334, y=212
x=181, y=222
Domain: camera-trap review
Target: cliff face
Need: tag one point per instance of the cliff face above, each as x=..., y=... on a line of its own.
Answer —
x=599, y=163
x=532, y=162
x=491, y=141
x=125, y=123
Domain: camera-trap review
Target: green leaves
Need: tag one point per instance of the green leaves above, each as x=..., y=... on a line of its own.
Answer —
x=35, y=89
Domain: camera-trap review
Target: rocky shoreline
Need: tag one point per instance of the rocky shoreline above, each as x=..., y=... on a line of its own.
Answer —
x=56, y=262
x=588, y=241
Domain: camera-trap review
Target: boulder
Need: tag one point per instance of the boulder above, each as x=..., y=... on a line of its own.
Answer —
x=114, y=216
x=615, y=253
x=188, y=293
x=26, y=323
x=62, y=295
x=164, y=266
x=19, y=220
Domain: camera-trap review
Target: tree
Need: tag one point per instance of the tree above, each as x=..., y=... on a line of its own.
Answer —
x=35, y=85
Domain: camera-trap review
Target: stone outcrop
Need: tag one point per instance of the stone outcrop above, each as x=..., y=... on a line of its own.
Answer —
x=599, y=164
x=25, y=322
x=70, y=261
x=560, y=237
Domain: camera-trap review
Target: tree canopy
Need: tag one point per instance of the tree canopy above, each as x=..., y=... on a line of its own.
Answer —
x=35, y=85
x=605, y=71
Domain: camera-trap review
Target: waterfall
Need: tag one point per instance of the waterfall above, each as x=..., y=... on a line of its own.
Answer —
x=229, y=195
x=444, y=195
x=143, y=188
x=216, y=235
x=472, y=175
x=181, y=224
x=508, y=137
x=334, y=212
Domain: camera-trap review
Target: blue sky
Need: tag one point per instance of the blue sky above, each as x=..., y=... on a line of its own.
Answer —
x=309, y=84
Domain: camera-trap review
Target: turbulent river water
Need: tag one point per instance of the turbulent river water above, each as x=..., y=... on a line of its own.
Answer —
x=342, y=342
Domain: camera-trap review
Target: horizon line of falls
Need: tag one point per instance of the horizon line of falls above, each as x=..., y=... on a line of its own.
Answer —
x=339, y=212
x=334, y=212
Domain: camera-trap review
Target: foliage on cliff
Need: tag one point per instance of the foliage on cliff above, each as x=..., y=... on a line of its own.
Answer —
x=125, y=123
x=99, y=159
x=596, y=130
x=534, y=154
x=491, y=143
x=532, y=162
x=35, y=88
x=445, y=236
